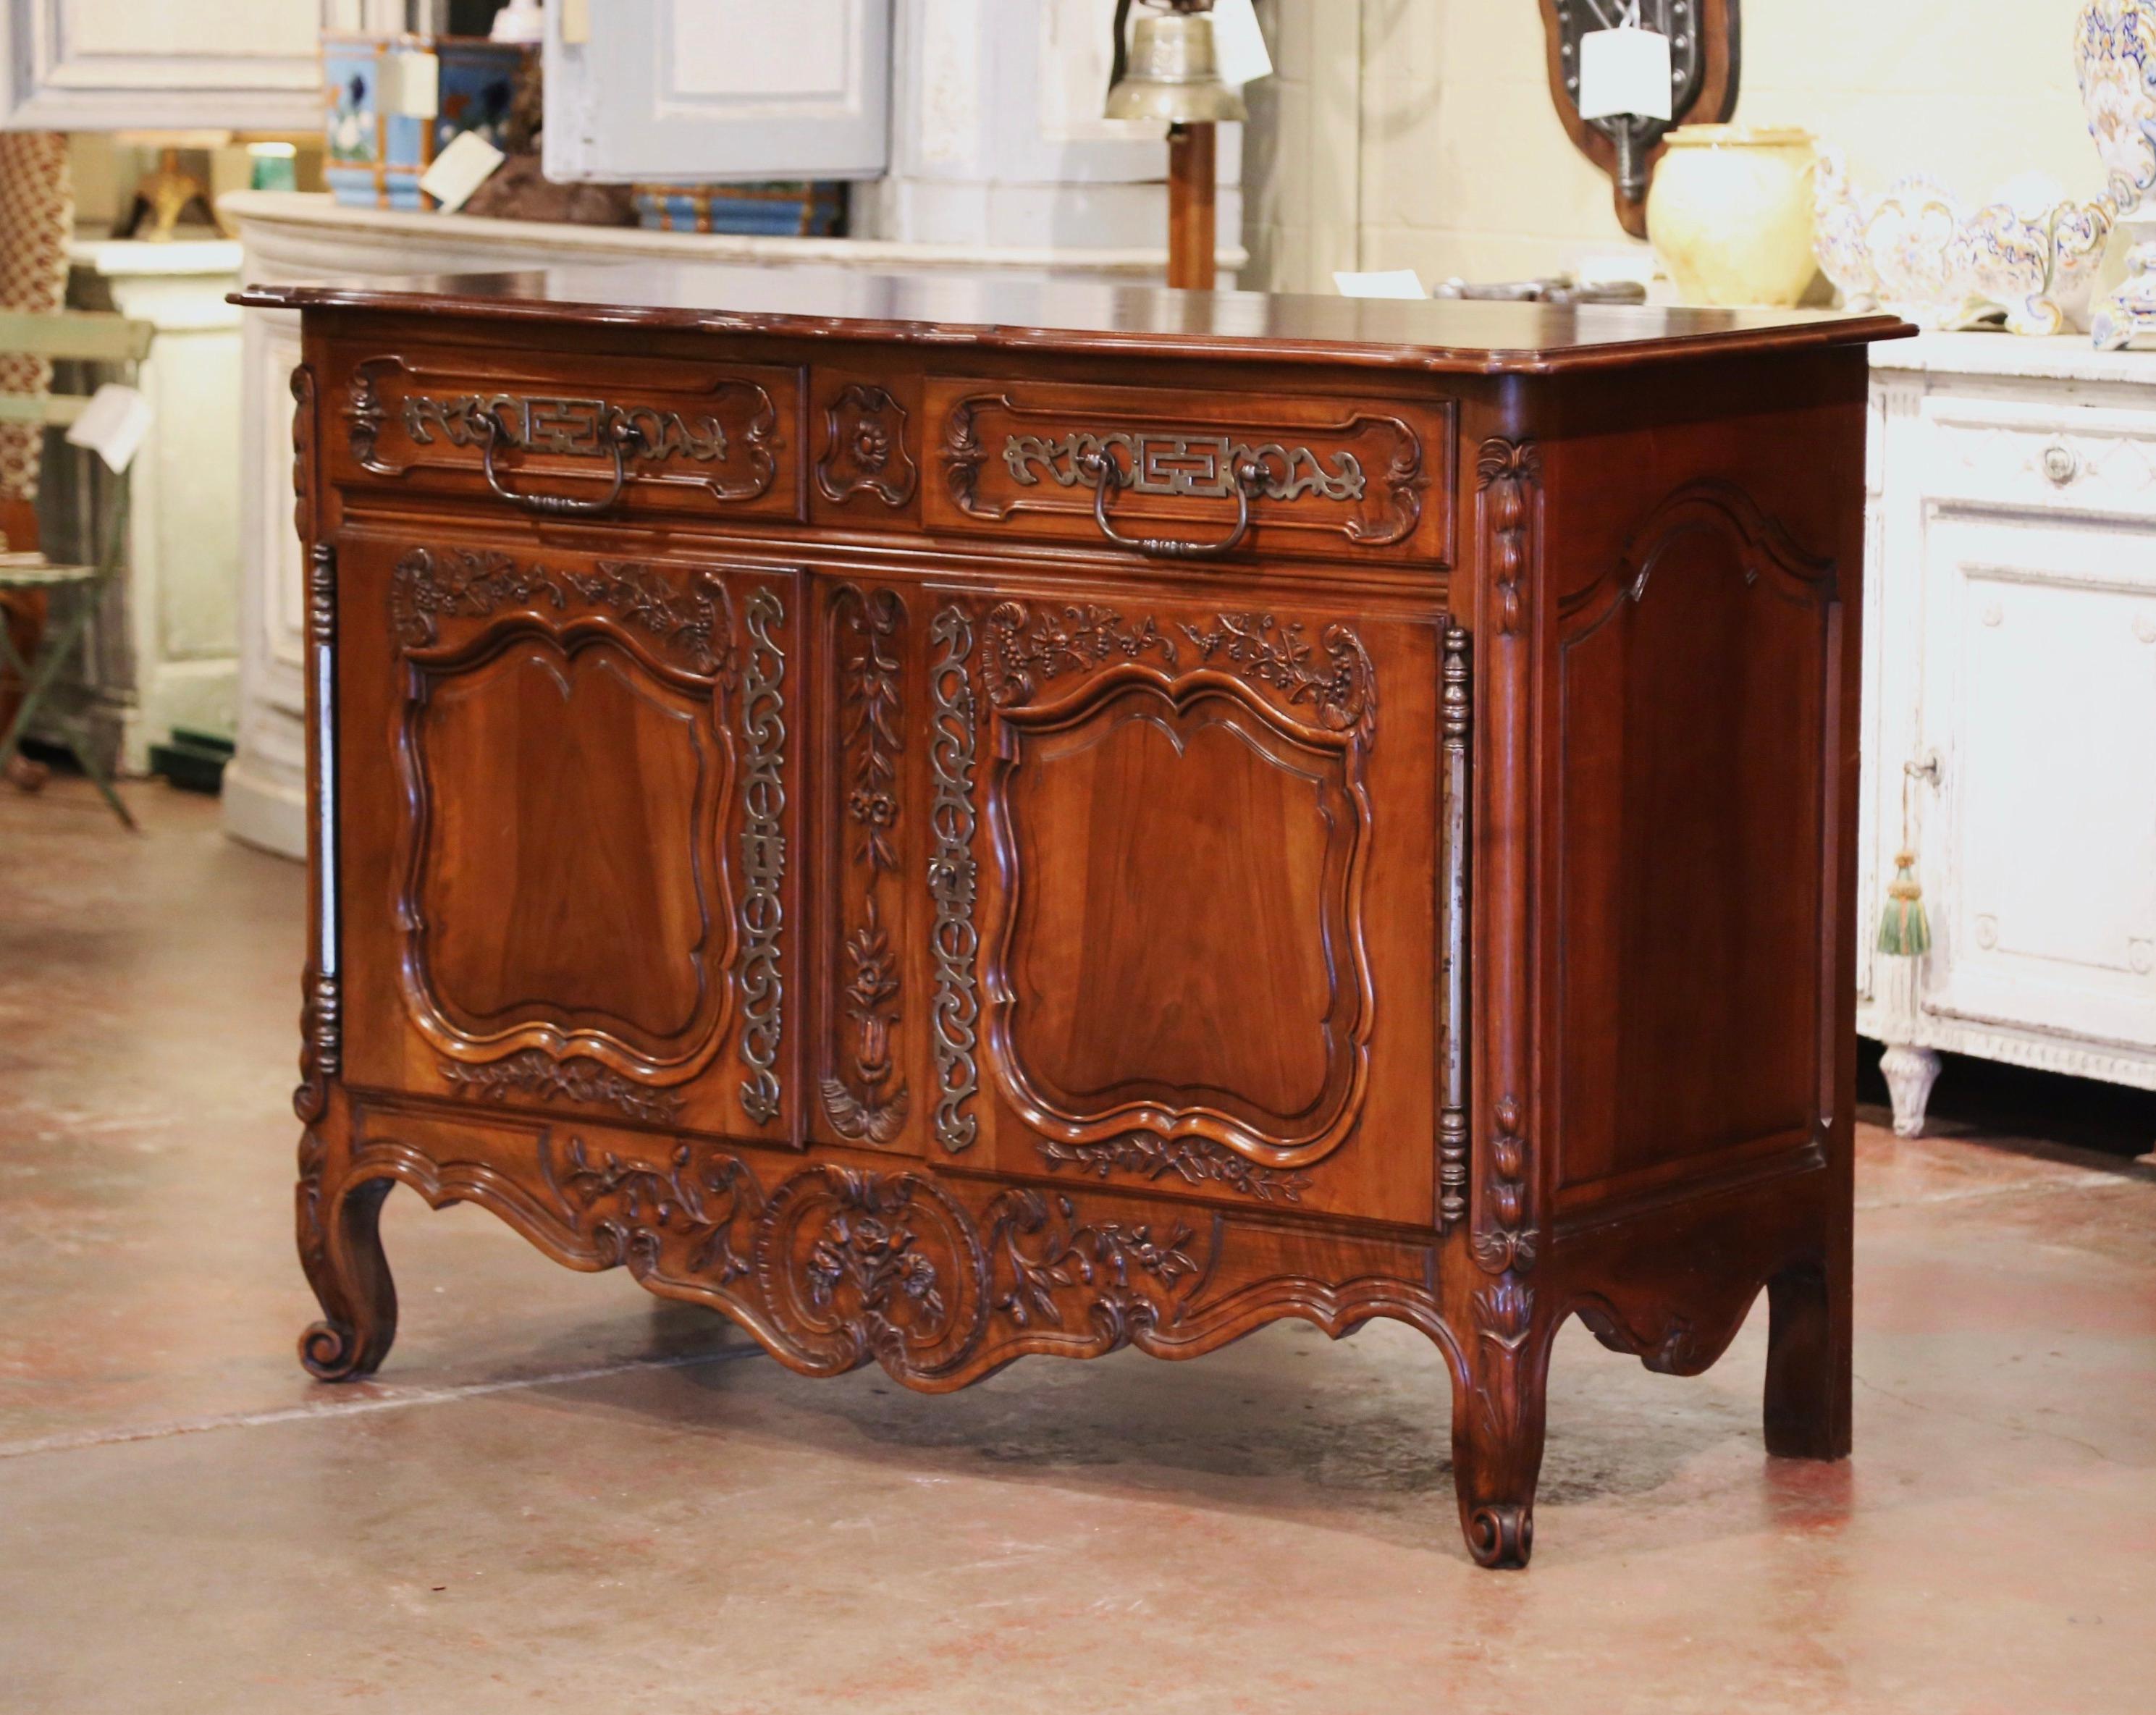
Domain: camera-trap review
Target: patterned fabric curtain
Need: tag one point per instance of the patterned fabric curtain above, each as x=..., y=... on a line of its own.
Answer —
x=37, y=213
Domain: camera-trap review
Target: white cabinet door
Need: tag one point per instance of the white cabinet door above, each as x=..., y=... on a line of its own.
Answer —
x=716, y=91
x=127, y=65
x=2039, y=848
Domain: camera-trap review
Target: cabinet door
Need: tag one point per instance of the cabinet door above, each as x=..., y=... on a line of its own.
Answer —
x=580, y=902
x=2040, y=851
x=1205, y=914
x=693, y=91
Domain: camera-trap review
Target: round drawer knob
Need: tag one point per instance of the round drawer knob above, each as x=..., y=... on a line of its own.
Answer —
x=2060, y=464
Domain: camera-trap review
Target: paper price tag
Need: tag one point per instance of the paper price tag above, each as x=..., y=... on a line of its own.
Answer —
x=112, y=425
x=459, y=170
x=1624, y=71
x=411, y=84
x=1240, y=43
x=1383, y=283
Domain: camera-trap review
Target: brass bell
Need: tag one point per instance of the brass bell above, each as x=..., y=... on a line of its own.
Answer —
x=1173, y=72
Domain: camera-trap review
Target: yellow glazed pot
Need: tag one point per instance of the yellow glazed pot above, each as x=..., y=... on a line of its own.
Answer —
x=1730, y=213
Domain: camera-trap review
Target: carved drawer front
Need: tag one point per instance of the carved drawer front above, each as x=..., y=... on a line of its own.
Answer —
x=575, y=435
x=2042, y=456
x=583, y=903
x=1174, y=475
x=1184, y=880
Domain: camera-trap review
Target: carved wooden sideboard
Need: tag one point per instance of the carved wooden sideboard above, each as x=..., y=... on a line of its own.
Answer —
x=951, y=821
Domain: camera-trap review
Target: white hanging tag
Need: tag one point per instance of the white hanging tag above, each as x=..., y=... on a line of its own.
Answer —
x=112, y=425
x=1625, y=70
x=459, y=170
x=1383, y=283
x=411, y=83
x=1239, y=43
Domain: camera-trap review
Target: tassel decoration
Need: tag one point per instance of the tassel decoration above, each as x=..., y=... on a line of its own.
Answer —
x=1905, y=931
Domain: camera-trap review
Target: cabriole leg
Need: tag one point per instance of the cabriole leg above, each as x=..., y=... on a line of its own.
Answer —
x=1497, y=1423
x=341, y=1249
x=1808, y=1361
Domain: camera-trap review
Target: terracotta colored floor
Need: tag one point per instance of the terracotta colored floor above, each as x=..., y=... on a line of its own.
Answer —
x=560, y=1495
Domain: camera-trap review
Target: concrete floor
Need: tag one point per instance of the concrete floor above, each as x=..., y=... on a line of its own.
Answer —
x=561, y=1494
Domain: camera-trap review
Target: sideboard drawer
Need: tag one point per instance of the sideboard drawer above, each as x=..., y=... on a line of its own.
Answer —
x=2042, y=454
x=563, y=436
x=1363, y=480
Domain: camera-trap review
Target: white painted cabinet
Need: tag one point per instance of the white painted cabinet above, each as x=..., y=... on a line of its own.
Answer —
x=708, y=91
x=131, y=64
x=2011, y=685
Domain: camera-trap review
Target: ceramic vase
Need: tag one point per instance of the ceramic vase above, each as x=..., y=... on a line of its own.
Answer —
x=1731, y=214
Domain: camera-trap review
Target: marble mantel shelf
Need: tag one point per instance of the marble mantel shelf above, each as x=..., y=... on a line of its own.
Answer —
x=316, y=215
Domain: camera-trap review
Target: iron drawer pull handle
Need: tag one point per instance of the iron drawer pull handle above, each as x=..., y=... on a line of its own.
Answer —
x=1106, y=473
x=620, y=435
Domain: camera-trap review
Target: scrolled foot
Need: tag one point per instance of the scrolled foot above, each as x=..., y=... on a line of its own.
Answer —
x=1502, y=1537
x=330, y=1351
x=340, y=1250
x=1497, y=1418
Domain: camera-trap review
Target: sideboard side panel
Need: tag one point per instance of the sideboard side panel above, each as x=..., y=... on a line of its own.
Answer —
x=1698, y=749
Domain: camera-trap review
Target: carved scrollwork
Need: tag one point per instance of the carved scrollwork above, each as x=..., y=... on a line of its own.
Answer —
x=536, y=1075
x=1197, y=464
x=758, y=973
x=747, y=438
x=856, y=1264
x=864, y=448
x=954, y=877
x=1023, y=649
x=628, y=1207
x=429, y=585
x=1341, y=688
x=1045, y=1263
x=1196, y=1161
x=963, y=455
x=865, y=1096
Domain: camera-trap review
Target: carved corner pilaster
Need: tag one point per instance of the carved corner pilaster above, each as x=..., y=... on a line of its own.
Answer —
x=1508, y=483
x=1455, y=724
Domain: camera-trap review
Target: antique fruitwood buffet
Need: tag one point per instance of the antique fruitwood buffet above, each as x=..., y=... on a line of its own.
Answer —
x=951, y=821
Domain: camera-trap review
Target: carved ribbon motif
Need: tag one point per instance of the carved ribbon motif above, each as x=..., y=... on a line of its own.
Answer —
x=763, y=856
x=954, y=877
x=1196, y=1161
x=537, y=1076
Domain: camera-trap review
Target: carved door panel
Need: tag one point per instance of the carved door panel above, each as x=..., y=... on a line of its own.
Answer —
x=1183, y=878
x=582, y=903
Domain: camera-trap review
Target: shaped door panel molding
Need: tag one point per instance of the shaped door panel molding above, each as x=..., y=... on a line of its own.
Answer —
x=587, y=880
x=1180, y=807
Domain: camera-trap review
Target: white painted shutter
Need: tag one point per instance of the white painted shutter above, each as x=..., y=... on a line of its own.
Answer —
x=716, y=91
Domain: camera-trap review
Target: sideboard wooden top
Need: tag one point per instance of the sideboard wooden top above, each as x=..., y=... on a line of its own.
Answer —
x=986, y=312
